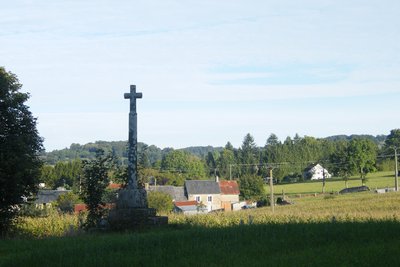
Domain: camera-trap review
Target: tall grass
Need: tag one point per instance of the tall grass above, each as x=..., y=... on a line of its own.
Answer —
x=342, y=230
x=51, y=226
x=290, y=244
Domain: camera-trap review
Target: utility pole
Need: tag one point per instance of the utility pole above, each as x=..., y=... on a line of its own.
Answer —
x=396, y=181
x=271, y=188
x=230, y=171
x=323, y=180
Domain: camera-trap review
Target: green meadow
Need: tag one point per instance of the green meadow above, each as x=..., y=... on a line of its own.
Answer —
x=374, y=180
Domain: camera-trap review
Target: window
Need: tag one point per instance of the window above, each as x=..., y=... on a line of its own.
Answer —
x=197, y=198
x=209, y=198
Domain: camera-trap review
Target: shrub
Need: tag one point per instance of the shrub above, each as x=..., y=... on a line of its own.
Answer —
x=66, y=202
x=251, y=187
x=160, y=201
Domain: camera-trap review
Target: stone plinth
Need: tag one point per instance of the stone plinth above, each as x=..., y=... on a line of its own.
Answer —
x=132, y=198
x=131, y=211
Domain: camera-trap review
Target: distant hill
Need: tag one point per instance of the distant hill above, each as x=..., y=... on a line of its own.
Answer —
x=118, y=148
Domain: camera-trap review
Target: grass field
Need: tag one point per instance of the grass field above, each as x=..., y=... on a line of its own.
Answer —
x=361, y=229
x=375, y=180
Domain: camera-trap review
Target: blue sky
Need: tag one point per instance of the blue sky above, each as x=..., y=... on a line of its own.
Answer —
x=210, y=71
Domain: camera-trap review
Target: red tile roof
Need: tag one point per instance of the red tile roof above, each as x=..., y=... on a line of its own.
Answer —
x=185, y=203
x=229, y=187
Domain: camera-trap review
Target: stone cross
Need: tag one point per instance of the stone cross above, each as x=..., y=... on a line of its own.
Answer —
x=132, y=152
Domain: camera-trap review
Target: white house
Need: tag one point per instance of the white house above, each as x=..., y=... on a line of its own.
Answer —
x=316, y=172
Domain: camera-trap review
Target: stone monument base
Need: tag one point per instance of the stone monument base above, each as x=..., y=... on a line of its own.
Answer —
x=131, y=211
x=132, y=198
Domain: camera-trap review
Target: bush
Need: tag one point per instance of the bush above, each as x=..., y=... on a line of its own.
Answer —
x=160, y=201
x=251, y=187
x=66, y=202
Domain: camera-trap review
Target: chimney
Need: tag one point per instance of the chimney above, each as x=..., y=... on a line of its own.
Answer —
x=217, y=178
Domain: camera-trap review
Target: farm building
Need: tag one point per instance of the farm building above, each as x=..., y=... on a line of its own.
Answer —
x=316, y=172
x=204, y=191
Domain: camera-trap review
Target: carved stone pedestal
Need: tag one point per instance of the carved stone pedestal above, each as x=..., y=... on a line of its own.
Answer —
x=131, y=211
x=132, y=198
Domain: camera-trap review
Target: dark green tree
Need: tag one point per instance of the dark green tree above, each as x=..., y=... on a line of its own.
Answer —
x=20, y=145
x=393, y=139
x=94, y=183
x=339, y=161
x=225, y=163
x=249, y=157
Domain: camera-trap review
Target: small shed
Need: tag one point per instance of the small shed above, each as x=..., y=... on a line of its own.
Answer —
x=229, y=194
x=189, y=207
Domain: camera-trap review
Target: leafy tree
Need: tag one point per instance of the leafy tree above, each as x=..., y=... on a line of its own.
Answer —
x=183, y=162
x=94, y=183
x=160, y=201
x=20, y=145
x=393, y=140
x=362, y=157
x=340, y=164
x=251, y=187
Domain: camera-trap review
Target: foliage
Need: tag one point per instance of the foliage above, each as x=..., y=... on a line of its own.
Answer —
x=393, y=139
x=249, y=155
x=94, y=183
x=226, y=158
x=63, y=173
x=183, y=162
x=110, y=196
x=20, y=145
x=66, y=202
x=30, y=210
x=251, y=187
x=160, y=201
x=362, y=157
